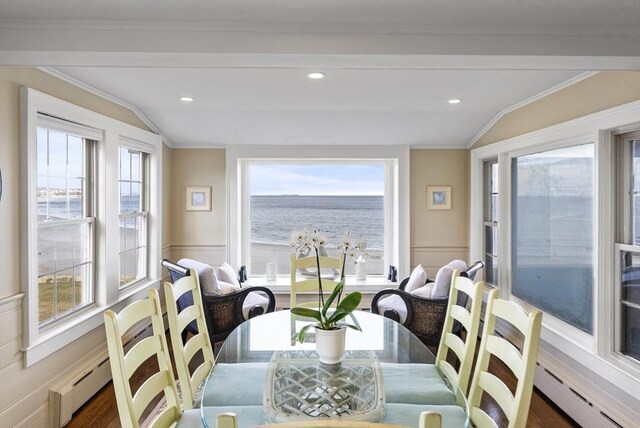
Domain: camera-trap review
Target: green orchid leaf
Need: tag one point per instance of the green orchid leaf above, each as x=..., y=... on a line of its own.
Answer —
x=303, y=333
x=307, y=312
x=355, y=321
x=335, y=294
x=351, y=302
x=338, y=315
x=352, y=327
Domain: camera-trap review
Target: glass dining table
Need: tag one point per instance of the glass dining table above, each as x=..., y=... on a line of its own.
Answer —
x=261, y=365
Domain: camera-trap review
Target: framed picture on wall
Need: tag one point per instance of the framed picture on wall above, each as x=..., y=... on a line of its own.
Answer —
x=438, y=197
x=198, y=198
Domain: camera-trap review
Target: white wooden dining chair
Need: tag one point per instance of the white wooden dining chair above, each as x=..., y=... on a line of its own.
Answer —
x=307, y=284
x=515, y=406
x=422, y=383
x=130, y=405
x=463, y=349
x=183, y=353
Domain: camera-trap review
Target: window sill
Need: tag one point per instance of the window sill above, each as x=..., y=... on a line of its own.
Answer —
x=282, y=284
x=60, y=336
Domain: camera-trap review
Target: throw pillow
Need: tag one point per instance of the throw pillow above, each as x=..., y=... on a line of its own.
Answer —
x=208, y=280
x=417, y=279
x=443, y=279
x=425, y=291
x=228, y=274
x=458, y=264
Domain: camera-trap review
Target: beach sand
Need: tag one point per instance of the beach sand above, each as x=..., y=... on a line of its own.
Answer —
x=262, y=253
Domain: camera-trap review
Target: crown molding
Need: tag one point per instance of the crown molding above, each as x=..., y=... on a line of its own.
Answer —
x=528, y=101
x=75, y=82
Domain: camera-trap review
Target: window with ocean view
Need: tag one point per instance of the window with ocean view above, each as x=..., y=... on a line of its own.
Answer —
x=552, y=232
x=330, y=197
x=90, y=192
x=65, y=224
x=491, y=221
x=133, y=216
x=627, y=296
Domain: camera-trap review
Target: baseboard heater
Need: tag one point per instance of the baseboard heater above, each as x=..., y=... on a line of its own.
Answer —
x=66, y=398
x=572, y=398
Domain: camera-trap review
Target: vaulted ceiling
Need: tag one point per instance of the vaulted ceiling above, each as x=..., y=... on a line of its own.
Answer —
x=390, y=65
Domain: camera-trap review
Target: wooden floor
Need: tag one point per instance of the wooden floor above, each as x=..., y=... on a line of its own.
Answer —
x=101, y=410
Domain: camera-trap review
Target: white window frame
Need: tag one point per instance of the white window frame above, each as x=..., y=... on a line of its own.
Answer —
x=623, y=229
x=90, y=138
x=39, y=343
x=145, y=151
x=593, y=351
x=396, y=160
x=488, y=202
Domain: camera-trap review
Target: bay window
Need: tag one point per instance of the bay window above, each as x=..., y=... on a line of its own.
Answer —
x=569, y=240
x=86, y=180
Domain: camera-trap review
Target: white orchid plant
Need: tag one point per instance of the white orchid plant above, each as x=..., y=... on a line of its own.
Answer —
x=356, y=249
x=303, y=242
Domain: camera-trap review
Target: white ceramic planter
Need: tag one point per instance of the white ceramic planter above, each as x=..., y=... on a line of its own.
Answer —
x=330, y=345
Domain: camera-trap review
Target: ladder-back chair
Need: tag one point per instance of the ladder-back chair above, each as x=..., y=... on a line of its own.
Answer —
x=131, y=406
x=300, y=284
x=183, y=353
x=522, y=364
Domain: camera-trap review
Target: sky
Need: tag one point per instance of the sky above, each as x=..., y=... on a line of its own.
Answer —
x=317, y=179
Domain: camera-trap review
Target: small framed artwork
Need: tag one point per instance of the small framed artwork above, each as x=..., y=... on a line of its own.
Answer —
x=438, y=197
x=198, y=198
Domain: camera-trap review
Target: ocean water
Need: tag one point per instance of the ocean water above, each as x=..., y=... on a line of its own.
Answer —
x=59, y=207
x=273, y=218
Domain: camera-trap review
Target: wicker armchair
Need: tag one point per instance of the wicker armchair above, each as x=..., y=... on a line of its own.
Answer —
x=425, y=317
x=223, y=312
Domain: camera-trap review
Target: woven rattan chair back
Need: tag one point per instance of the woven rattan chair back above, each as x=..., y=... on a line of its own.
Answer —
x=131, y=406
x=470, y=320
x=183, y=353
x=523, y=365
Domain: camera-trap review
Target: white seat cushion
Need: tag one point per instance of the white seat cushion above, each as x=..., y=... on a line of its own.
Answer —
x=425, y=291
x=396, y=303
x=206, y=274
x=226, y=288
x=417, y=279
x=253, y=299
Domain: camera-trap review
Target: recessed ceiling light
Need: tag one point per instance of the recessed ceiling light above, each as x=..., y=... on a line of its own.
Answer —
x=455, y=101
x=315, y=75
x=187, y=99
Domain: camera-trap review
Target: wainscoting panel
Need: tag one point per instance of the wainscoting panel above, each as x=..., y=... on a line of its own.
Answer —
x=11, y=331
x=433, y=258
x=213, y=255
x=38, y=418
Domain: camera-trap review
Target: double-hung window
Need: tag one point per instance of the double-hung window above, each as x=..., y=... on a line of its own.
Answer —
x=491, y=221
x=66, y=218
x=90, y=219
x=627, y=247
x=133, y=215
